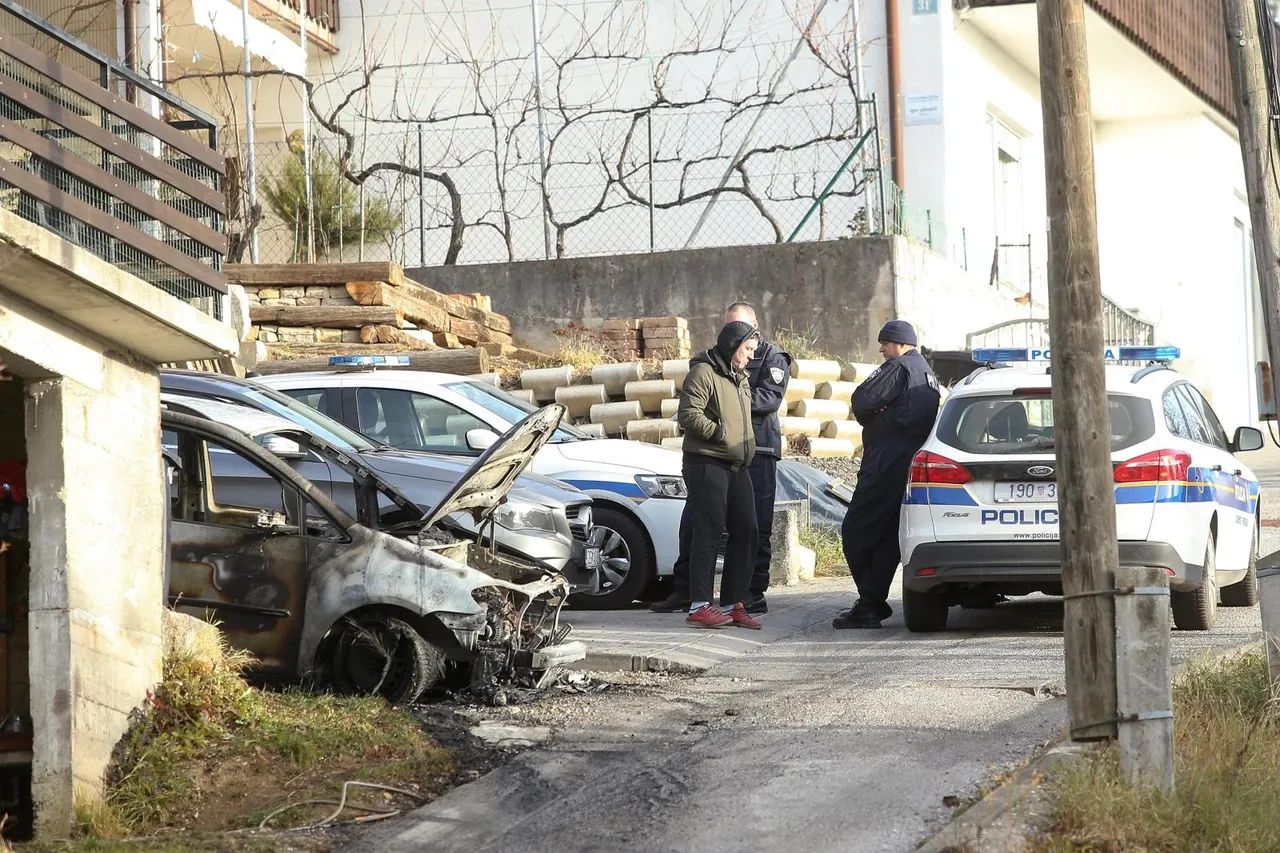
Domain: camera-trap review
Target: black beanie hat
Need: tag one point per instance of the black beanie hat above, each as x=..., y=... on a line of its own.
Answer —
x=898, y=332
x=732, y=336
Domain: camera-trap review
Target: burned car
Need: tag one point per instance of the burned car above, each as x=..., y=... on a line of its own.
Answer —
x=318, y=595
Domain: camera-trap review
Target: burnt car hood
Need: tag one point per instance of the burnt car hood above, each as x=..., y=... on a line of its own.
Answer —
x=485, y=485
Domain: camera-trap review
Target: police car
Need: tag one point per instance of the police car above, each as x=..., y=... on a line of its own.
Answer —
x=980, y=516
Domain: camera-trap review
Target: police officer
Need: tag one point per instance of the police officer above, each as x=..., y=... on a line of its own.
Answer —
x=896, y=405
x=768, y=374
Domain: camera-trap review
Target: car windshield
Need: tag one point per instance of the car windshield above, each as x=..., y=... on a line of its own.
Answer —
x=1022, y=422
x=310, y=419
x=508, y=408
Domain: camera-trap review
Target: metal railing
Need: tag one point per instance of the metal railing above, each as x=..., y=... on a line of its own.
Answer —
x=322, y=12
x=1119, y=328
x=79, y=158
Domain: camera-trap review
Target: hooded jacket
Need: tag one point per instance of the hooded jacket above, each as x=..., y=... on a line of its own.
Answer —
x=715, y=404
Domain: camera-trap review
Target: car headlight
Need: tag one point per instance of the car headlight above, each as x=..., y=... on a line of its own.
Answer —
x=660, y=486
x=526, y=517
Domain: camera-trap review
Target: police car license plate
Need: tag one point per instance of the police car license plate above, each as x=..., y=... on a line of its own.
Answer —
x=1026, y=492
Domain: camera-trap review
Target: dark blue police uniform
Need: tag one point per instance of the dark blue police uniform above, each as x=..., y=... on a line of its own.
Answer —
x=897, y=406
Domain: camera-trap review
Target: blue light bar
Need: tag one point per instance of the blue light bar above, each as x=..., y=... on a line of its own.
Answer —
x=368, y=360
x=999, y=355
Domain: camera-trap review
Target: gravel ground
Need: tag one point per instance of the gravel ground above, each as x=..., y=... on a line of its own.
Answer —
x=836, y=469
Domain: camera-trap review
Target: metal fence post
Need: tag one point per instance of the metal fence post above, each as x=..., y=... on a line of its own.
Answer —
x=422, y=202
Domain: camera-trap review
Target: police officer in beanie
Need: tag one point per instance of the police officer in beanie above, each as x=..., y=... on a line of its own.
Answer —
x=896, y=405
x=715, y=412
x=768, y=373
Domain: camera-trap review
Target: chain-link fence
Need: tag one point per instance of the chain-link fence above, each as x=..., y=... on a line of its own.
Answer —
x=616, y=182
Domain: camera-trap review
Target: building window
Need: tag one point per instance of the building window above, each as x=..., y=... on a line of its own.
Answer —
x=1013, y=252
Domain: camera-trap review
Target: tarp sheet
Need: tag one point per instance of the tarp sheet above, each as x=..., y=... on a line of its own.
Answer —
x=800, y=482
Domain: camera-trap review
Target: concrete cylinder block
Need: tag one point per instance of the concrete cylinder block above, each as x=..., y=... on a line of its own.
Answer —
x=832, y=448
x=823, y=410
x=857, y=372
x=614, y=377
x=847, y=430
x=543, y=382
x=652, y=431
x=650, y=393
x=522, y=394
x=836, y=391
x=807, y=427
x=673, y=443
x=800, y=389
x=579, y=399
x=494, y=379
x=669, y=408
x=815, y=370
x=675, y=369
x=615, y=416
x=593, y=429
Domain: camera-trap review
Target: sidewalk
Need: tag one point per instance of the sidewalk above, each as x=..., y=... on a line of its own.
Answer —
x=638, y=640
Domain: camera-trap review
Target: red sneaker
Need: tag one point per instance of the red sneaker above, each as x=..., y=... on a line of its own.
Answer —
x=740, y=617
x=708, y=616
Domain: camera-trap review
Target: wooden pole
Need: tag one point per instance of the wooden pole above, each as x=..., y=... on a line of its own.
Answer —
x=1144, y=677
x=1086, y=493
x=1253, y=117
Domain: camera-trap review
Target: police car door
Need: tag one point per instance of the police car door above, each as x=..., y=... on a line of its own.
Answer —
x=1217, y=479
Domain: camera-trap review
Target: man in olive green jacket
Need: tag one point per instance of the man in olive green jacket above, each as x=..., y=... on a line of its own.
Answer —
x=719, y=443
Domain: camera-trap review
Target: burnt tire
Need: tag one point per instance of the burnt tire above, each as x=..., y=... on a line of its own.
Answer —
x=924, y=612
x=1244, y=592
x=626, y=537
x=376, y=654
x=1197, y=609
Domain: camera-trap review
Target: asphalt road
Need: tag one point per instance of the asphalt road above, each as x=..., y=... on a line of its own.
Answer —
x=823, y=740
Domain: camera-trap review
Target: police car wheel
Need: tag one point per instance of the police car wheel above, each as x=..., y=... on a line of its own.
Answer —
x=1244, y=593
x=627, y=565
x=924, y=612
x=1197, y=609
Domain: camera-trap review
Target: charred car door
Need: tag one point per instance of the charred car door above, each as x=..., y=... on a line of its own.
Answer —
x=241, y=558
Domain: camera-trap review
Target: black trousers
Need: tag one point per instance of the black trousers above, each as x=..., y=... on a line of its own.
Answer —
x=869, y=534
x=720, y=498
x=764, y=482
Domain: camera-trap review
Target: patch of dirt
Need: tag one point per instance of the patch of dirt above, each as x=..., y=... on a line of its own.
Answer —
x=845, y=470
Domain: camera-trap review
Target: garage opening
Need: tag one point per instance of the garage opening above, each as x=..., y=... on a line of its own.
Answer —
x=15, y=572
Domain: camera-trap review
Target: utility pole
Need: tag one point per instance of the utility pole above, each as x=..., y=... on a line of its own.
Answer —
x=1253, y=119
x=1086, y=488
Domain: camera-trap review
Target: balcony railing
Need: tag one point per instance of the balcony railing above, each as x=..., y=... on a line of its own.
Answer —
x=321, y=12
x=79, y=158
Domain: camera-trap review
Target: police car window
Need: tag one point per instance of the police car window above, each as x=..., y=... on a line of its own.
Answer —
x=1175, y=419
x=1204, y=424
x=1021, y=422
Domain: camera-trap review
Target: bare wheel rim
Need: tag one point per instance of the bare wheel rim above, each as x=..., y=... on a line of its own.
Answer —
x=615, y=561
x=374, y=657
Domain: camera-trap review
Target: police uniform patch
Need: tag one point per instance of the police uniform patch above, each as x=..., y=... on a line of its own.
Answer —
x=777, y=374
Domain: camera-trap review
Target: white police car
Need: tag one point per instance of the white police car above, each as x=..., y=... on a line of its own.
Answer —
x=980, y=517
x=637, y=489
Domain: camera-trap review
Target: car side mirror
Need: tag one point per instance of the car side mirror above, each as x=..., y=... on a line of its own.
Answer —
x=1247, y=439
x=285, y=448
x=481, y=439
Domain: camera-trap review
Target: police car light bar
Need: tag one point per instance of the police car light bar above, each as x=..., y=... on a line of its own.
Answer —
x=998, y=355
x=368, y=360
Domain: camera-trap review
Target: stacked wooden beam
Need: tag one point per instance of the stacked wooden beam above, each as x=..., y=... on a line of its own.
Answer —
x=310, y=309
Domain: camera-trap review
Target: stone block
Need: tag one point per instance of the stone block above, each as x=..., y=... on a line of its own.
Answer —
x=292, y=292
x=647, y=323
x=265, y=293
x=238, y=311
x=621, y=325
x=303, y=335
x=351, y=336
x=330, y=336
x=280, y=301
x=319, y=291
x=784, y=568
x=307, y=300
x=252, y=353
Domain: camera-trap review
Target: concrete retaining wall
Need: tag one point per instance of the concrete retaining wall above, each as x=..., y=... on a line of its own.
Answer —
x=843, y=289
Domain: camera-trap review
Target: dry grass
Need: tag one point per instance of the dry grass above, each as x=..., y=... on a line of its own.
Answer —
x=825, y=543
x=801, y=343
x=209, y=754
x=1227, y=769
x=580, y=348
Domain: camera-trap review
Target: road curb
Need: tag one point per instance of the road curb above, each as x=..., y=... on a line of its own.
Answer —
x=969, y=826
x=619, y=662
